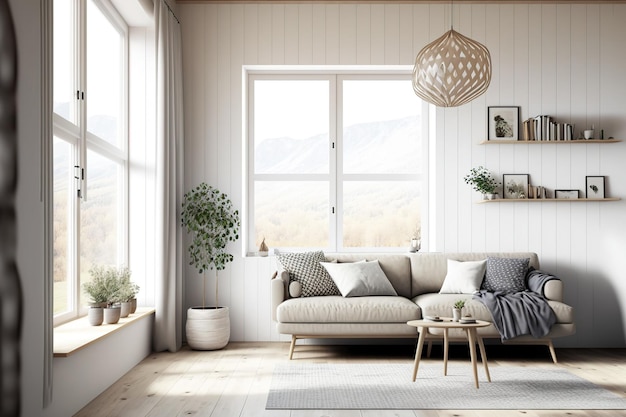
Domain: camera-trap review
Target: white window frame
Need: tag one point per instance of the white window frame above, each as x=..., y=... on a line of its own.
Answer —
x=336, y=177
x=82, y=140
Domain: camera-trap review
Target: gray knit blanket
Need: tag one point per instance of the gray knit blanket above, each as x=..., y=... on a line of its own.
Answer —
x=521, y=313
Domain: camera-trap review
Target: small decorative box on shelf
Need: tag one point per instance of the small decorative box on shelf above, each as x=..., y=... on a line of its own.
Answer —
x=545, y=142
x=547, y=200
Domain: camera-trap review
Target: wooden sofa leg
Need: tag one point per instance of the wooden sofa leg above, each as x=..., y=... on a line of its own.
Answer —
x=552, y=351
x=293, y=346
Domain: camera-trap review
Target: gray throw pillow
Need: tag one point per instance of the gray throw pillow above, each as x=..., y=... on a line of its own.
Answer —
x=506, y=275
x=306, y=269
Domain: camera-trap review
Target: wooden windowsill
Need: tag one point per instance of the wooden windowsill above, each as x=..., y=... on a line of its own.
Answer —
x=77, y=334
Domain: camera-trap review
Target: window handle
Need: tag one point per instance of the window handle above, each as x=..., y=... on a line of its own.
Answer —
x=80, y=177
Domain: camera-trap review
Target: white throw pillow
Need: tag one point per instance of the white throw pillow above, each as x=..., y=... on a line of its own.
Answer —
x=359, y=279
x=463, y=277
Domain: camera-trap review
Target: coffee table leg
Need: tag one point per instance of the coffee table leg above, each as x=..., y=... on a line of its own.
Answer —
x=471, y=336
x=445, y=351
x=418, y=351
x=483, y=356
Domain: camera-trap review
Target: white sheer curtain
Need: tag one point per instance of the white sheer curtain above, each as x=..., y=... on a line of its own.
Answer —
x=169, y=180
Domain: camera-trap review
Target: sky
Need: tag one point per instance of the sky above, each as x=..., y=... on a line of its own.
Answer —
x=281, y=111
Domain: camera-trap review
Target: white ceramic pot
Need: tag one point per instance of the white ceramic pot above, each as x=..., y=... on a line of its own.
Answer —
x=95, y=315
x=125, y=309
x=207, y=328
x=456, y=314
x=112, y=314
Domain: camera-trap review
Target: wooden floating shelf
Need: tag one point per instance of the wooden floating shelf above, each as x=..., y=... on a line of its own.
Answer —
x=545, y=142
x=546, y=200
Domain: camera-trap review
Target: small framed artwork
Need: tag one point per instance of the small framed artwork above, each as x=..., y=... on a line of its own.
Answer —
x=515, y=185
x=594, y=186
x=503, y=123
x=566, y=194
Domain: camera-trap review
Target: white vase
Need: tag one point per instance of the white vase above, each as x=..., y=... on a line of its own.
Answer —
x=207, y=328
x=456, y=314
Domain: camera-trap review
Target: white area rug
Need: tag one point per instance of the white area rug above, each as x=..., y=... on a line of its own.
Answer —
x=389, y=386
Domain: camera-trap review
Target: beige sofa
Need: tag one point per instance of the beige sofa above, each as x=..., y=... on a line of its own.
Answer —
x=417, y=278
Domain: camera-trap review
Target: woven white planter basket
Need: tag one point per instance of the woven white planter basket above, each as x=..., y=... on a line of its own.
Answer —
x=207, y=328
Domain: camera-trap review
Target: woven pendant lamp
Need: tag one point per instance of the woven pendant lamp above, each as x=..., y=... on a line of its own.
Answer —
x=452, y=70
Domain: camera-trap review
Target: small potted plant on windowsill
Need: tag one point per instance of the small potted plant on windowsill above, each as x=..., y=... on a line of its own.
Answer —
x=108, y=280
x=97, y=292
x=127, y=293
x=481, y=180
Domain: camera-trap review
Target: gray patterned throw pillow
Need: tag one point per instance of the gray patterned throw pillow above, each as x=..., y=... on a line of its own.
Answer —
x=306, y=269
x=506, y=274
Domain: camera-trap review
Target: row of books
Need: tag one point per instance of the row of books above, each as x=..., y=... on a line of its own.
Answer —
x=537, y=191
x=545, y=128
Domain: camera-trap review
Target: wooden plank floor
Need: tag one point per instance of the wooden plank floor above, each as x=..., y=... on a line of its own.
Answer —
x=235, y=381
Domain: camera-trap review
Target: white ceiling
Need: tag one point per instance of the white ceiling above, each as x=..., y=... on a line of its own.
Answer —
x=135, y=12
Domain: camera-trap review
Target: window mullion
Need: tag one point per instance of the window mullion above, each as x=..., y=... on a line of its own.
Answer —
x=82, y=84
x=336, y=229
x=81, y=149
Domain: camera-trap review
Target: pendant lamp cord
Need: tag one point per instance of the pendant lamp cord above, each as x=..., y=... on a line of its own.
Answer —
x=451, y=14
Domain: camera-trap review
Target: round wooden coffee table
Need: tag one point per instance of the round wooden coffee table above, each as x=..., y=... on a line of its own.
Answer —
x=445, y=324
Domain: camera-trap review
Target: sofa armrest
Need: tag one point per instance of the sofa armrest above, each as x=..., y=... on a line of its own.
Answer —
x=553, y=290
x=545, y=284
x=279, y=290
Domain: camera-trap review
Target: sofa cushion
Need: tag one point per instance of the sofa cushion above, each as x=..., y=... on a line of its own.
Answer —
x=306, y=269
x=337, y=309
x=359, y=279
x=506, y=274
x=442, y=304
x=434, y=304
x=463, y=277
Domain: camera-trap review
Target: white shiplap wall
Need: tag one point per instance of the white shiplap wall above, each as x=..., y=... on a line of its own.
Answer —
x=564, y=60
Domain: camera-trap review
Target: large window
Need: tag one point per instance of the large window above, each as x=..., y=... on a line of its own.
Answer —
x=335, y=161
x=89, y=148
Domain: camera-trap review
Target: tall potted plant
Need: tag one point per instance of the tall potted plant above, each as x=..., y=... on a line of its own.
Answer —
x=209, y=217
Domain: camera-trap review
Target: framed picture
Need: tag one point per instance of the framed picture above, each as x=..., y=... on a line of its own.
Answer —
x=566, y=194
x=503, y=123
x=515, y=185
x=594, y=186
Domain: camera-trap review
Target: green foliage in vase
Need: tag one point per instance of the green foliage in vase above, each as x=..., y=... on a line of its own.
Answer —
x=209, y=217
x=459, y=304
x=481, y=180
